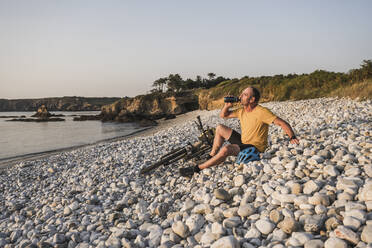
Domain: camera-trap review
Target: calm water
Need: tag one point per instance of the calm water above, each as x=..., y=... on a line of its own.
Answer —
x=21, y=138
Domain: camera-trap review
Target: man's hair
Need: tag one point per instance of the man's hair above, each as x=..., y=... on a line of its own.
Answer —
x=256, y=94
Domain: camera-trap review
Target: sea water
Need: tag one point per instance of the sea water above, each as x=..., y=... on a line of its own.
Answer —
x=26, y=138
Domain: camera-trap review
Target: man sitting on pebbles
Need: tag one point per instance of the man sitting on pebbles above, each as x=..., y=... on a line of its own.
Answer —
x=254, y=122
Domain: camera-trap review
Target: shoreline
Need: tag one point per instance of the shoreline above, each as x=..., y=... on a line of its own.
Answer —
x=6, y=163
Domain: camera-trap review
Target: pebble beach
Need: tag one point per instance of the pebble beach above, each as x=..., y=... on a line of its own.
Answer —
x=315, y=194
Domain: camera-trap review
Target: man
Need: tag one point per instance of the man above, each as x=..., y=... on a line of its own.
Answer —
x=254, y=122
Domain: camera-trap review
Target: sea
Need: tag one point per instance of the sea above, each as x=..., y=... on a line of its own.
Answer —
x=18, y=139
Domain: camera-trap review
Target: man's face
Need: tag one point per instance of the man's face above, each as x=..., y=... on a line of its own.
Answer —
x=246, y=96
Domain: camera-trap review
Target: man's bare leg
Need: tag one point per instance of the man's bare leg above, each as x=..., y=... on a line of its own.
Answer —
x=228, y=150
x=222, y=133
x=218, y=156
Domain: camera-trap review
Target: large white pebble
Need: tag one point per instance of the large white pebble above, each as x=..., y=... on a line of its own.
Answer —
x=195, y=222
x=367, y=234
x=265, y=226
x=180, y=229
x=335, y=243
x=239, y=180
x=226, y=242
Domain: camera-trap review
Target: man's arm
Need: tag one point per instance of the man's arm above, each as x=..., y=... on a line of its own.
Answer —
x=287, y=129
x=225, y=111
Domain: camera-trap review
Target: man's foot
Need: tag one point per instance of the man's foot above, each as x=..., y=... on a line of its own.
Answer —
x=189, y=171
x=202, y=160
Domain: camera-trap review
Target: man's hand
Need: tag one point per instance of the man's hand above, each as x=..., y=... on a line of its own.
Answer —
x=294, y=141
x=287, y=129
x=225, y=112
x=228, y=104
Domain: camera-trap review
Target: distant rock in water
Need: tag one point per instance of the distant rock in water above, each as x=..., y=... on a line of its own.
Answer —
x=42, y=115
x=42, y=112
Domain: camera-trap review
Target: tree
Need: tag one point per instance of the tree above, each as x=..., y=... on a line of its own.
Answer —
x=365, y=72
x=211, y=75
x=159, y=84
x=175, y=82
x=162, y=82
x=366, y=69
x=156, y=86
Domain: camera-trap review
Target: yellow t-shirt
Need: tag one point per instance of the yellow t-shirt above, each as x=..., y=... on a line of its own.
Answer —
x=255, y=126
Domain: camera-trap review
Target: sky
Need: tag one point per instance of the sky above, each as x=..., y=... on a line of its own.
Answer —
x=118, y=48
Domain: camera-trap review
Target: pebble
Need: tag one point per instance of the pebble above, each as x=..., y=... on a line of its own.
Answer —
x=314, y=223
x=330, y=170
x=226, y=242
x=279, y=235
x=368, y=169
x=366, y=193
x=352, y=223
x=296, y=188
x=217, y=229
x=335, y=243
x=275, y=216
x=265, y=226
x=302, y=237
x=310, y=187
x=314, y=243
x=67, y=211
x=239, y=180
x=59, y=238
x=319, y=199
x=332, y=223
x=180, y=229
x=222, y=194
x=155, y=235
x=320, y=209
x=207, y=239
x=367, y=234
x=253, y=233
x=246, y=210
x=343, y=232
x=357, y=214
x=195, y=222
x=232, y=222
x=288, y=225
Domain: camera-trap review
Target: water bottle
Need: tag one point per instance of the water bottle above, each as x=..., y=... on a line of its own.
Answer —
x=231, y=99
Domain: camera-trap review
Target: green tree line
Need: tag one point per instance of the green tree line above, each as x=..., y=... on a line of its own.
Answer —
x=175, y=83
x=320, y=83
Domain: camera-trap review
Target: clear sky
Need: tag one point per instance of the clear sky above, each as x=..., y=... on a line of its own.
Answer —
x=118, y=48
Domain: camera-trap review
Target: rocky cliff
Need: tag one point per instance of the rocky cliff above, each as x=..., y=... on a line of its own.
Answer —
x=57, y=103
x=151, y=107
x=207, y=102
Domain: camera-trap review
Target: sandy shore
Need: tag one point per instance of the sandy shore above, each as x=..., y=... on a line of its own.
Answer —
x=162, y=125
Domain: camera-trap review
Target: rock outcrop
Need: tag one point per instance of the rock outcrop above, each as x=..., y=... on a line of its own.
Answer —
x=42, y=112
x=42, y=115
x=150, y=107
